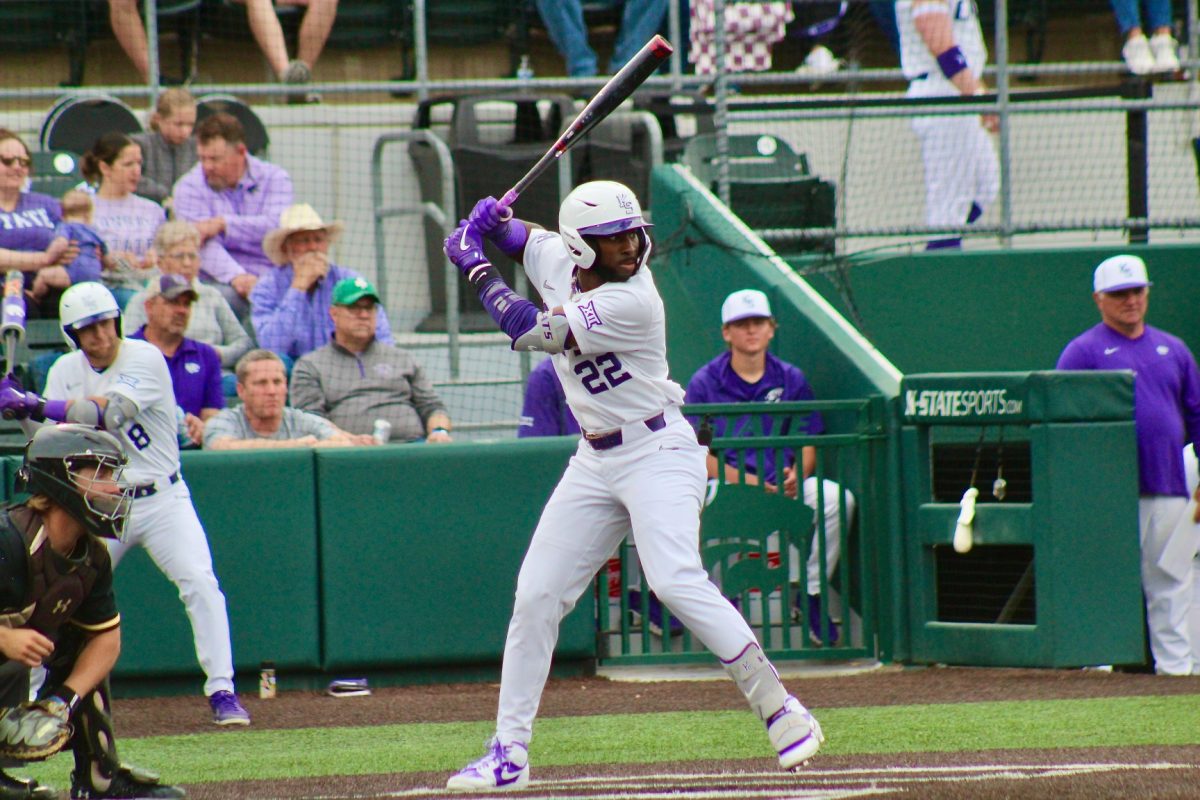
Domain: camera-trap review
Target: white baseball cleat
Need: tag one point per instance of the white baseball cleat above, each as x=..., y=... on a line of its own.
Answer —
x=795, y=733
x=501, y=767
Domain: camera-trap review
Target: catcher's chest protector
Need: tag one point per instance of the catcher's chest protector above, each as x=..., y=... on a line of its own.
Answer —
x=57, y=585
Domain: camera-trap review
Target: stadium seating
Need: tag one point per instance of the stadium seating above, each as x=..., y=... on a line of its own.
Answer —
x=74, y=123
x=38, y=24
x=54, y=172
x=257, y=138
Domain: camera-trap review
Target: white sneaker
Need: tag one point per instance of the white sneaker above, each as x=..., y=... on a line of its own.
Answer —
x=795, y=733
x=1137, y=55
x=820, y=61
x=1165, y=50
x=501, y=767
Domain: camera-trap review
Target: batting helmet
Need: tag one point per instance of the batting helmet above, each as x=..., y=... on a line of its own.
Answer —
x=86, y=304
x=55, y=455
x=600, y=208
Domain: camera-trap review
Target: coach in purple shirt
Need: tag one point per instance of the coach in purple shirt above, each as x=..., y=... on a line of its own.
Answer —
x=1166, y=416
x=195, y=366
x=290, y=305
x=545, y=411
x=234, y=200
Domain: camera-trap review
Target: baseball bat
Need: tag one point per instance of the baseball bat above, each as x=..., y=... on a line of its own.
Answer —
x=618, y=88
x=12, y=320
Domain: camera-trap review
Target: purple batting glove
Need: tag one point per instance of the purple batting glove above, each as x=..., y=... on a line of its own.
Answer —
x=495, y=221
x=464, y=248
x=488, y=215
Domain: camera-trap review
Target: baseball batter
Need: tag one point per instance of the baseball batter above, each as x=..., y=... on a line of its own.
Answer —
x=638, y=468
x=943, y=54
x=123, y=386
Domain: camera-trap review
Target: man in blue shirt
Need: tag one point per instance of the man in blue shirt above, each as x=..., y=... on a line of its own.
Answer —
x=195, y=366
x=1166, y=416
x=290, y=304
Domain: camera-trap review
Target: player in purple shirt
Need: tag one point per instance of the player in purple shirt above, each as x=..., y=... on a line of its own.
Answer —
x=545, y=412
x=1166, y=416
x=747, y=373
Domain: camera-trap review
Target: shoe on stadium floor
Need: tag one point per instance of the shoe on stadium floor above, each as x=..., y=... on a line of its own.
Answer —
x=795, y=734
x=1164, y=48
x=1137, y=55
x=226, y=709
x=655, y=610
x=501, y=767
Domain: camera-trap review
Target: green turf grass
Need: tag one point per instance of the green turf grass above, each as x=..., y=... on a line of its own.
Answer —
x=647, y=738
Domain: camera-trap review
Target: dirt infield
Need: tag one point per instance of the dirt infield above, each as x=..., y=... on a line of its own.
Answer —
x=1160, y=772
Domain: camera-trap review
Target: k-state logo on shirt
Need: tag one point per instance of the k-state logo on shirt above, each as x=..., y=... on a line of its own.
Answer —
x=191, y=367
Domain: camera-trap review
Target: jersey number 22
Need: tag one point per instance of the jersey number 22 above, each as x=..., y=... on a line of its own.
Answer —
x=602, y=374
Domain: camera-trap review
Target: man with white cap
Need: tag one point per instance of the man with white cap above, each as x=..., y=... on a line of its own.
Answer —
x=1166, y=415
x=747, y=373
x=290, y=305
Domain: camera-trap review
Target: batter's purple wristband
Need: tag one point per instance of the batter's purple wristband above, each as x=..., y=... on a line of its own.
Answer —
x=55, y=410
x=511, y=237
x=952, y=62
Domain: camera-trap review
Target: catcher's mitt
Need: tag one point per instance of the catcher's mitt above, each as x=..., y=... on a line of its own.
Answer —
x=33, y=731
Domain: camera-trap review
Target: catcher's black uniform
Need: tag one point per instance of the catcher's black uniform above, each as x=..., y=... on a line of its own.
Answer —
x=67, y=599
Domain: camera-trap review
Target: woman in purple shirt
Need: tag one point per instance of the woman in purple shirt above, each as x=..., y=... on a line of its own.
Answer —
x=27, y=219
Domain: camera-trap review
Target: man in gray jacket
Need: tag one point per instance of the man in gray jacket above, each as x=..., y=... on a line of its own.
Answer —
x=355, y=379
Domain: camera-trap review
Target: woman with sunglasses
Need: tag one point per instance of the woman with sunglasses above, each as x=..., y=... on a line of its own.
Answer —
x=27, y=219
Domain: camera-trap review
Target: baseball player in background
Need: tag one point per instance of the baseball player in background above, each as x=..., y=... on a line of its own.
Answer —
x=1166, y=414
x=943, y=55
x=123, y=386
x=638, y=468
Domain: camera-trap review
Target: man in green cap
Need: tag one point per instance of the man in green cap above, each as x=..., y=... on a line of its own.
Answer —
x=364, y=385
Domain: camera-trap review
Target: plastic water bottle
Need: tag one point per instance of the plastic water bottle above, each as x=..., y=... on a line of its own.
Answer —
x=382, y=431
x=524, y=70
x=266, y=680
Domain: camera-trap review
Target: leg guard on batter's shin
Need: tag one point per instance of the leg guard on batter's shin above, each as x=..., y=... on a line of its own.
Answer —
x=794, y=733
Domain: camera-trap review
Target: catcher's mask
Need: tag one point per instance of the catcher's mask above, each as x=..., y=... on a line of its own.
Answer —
x=79, y=469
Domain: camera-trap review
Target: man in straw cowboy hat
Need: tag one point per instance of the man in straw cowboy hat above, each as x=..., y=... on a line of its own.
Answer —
x=290, y=305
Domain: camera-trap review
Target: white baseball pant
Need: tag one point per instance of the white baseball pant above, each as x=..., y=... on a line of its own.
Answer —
x=166, y=525
x=1167, y=587
x=961, y=167
x=653, y=486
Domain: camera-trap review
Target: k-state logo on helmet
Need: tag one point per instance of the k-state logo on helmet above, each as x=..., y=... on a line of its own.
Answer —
x=626, y=204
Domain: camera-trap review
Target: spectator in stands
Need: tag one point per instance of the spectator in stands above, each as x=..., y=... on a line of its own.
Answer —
x=234, y=200
x=564, y=22
x=545, y=411
x=355, y=380
x=1142, y=55
x=195, y=367
x=290, y=304
x=127, y=222
x=314, y=31
x=751, y=30
x=1166, y=415
x=27, y=219
x=262, y=420
x=76, y=226
x=168, y=148
x=212, y=320
x=747, y=373
x=943, y=54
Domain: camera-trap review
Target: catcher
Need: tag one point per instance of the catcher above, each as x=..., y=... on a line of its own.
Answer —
x=57, y=610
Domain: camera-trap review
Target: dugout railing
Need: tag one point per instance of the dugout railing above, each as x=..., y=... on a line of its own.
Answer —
x=755, y=541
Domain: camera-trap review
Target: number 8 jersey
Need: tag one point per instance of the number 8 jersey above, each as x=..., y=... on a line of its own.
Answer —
x=617, y=372
x=139, y=373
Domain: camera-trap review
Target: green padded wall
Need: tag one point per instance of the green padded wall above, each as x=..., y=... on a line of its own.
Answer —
x=259, y=510
x=420, y=547
x=1000, y=310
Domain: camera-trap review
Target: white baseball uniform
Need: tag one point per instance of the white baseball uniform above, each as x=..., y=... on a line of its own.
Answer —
x=163, y=520
x=961, y=167
x=651, y=484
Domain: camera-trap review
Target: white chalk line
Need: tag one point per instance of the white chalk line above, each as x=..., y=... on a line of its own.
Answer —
x=881, y=780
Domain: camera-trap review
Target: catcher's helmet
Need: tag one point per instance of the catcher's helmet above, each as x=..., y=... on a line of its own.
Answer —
x=52, y=458
x=600, y=208
x=86, y=304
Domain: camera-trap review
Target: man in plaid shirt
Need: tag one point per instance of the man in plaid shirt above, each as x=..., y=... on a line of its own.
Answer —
x=356, y=379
